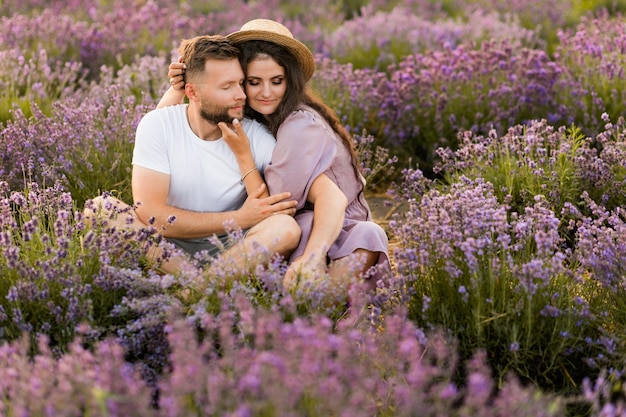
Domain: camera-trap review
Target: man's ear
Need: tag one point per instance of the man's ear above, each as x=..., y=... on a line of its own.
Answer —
x=190, y=92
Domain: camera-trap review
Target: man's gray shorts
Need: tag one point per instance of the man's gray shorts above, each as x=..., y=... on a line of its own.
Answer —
x=194, y=246
x=212, y=251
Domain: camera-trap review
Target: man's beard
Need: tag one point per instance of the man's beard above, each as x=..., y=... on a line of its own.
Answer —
x=216, y=114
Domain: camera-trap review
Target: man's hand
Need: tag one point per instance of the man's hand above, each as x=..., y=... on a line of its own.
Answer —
x=255, y=209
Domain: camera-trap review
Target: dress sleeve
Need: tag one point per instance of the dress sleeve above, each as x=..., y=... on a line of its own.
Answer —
x=305, y=148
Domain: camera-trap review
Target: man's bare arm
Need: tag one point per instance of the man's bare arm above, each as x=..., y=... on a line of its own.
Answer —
x=150, y=192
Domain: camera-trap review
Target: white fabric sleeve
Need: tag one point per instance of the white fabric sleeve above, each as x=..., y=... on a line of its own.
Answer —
x=150, y=149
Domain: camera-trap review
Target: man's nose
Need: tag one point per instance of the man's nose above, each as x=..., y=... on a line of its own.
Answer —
x=240, y=93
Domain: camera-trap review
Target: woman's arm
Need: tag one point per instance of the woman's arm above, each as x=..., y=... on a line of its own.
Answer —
x=238, y=142
x=176, y=93
x=329, y=209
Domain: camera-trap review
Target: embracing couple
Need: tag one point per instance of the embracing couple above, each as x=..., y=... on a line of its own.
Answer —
x=253, y=149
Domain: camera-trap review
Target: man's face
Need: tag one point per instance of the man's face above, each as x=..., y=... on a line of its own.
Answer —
x=220, y=91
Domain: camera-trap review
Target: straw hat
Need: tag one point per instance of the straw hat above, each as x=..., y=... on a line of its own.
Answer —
x=271, y=31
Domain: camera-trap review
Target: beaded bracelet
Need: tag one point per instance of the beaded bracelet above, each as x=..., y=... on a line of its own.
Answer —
x=243, y=177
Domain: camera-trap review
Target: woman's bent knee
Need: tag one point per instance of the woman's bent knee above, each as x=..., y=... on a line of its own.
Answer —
x=288, y=229
x=280, y=229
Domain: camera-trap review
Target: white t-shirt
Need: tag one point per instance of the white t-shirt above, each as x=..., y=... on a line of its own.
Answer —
x=204, y=175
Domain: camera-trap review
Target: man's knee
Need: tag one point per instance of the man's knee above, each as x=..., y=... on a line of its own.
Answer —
x=92, y=209
x=108, y=209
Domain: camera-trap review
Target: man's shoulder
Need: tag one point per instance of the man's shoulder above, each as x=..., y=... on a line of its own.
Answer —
x=157, y=122
x=167, y=111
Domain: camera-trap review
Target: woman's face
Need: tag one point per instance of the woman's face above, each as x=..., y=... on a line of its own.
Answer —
x=265, y=85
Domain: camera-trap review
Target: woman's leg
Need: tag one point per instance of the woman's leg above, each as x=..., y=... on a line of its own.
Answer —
x=354, y=266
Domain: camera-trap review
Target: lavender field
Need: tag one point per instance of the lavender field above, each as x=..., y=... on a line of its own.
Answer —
x=498, y=127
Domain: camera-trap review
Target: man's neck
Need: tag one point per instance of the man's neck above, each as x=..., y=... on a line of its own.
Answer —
x=202, y=129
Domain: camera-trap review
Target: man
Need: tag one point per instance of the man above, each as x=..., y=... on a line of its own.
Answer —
x=193, y=178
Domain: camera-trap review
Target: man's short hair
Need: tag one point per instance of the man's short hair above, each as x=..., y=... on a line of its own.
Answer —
x=196, y=51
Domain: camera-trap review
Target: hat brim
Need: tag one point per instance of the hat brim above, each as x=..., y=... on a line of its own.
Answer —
x=298, y=49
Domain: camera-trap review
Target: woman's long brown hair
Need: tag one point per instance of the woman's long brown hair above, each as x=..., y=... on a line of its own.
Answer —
x=296, y=94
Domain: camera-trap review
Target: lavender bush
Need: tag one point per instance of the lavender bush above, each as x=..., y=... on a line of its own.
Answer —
x=84, y=135
x=81, y=383
x=428, y=98
x=526, y=162
x=540, y=160
x=251, y=362
x=60, y=274
x=602, y=164
x=379, y=39
x=594, y=57
x=34, y=81
x=498, y=284
x=512, y=252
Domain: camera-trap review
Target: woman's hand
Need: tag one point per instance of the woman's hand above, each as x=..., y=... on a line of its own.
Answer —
x=176, y=73
x=305, y=268
x=236, y=139
x=175, y=94
x=238, y=142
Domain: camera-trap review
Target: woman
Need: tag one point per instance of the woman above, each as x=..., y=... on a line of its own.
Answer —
x=314, y=157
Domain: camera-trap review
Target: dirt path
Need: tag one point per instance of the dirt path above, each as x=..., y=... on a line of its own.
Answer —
x=383, y=209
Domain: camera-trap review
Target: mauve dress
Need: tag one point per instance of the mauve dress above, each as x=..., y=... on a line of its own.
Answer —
x=306, y=146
